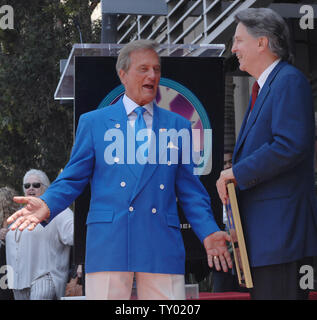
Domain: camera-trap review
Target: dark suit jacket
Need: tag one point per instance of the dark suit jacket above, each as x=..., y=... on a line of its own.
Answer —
x=274, y=168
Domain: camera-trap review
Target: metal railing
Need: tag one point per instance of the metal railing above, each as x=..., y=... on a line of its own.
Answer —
x=187, y=21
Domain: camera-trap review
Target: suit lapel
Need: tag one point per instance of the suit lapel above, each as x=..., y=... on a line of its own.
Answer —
x=250, y=118
x=118, y=119
x=154, y=152
x=117, y=116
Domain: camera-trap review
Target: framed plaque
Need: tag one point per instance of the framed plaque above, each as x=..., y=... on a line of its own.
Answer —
x=237, y=239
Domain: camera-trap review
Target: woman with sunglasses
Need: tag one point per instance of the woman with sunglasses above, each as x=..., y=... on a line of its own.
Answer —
x=40, y=259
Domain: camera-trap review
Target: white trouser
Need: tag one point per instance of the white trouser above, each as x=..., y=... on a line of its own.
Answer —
x=150, y=286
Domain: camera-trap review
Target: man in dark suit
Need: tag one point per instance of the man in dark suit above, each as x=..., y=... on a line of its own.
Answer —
x=273, y=159
x=133, y=226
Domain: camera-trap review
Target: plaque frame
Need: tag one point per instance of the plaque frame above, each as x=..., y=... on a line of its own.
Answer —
x=237, y=239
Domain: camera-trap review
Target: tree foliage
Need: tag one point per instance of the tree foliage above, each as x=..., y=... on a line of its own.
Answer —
x=35, y=130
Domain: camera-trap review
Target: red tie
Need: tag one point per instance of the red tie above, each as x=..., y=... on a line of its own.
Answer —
x=255, y=91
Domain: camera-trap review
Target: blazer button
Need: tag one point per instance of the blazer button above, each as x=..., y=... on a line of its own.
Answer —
x=123, y=184
x=154, y=210
x=117, y=125
x=131, y=209
x=162, y=186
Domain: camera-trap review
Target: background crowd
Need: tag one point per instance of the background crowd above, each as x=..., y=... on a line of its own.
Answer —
x=36, y=263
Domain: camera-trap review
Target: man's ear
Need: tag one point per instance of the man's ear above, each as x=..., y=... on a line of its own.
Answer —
x=263, y=42
x=122, y=75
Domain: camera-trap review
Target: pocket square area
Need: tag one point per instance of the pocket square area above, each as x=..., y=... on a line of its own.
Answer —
x=172, y=146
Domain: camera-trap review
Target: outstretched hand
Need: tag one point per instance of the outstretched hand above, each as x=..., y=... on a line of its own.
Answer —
x=30, y=215
x=217, y=251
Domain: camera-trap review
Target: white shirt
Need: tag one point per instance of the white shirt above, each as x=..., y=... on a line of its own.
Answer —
x=33, y=254
x=130, y=105
x=264, y=75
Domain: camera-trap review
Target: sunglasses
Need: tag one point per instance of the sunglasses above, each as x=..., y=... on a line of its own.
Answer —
x=35, y=185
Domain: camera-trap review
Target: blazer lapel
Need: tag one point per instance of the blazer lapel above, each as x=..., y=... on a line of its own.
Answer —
x=154, y=152
x=118, y=119
x=117, y=116
x=250, y=118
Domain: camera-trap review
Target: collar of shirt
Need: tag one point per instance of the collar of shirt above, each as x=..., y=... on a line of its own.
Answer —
x=262, y=78
x=130, y=105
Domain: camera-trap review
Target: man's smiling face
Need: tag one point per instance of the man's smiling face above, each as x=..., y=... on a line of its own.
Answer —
x=245, y=47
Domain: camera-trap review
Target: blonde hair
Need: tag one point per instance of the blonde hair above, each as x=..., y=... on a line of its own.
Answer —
x=7, y=205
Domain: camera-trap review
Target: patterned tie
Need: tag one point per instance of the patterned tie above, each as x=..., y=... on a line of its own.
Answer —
x=139, y=125
x=255, y=91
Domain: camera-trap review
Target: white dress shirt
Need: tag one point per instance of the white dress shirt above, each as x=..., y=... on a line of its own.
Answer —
x=130, y=105
x=264, y=75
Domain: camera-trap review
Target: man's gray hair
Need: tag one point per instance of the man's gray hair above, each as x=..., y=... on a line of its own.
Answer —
x=266, y=22
x=40, y=174
x=123, y=61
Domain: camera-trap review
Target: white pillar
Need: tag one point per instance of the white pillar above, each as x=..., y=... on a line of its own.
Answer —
x=241, y=99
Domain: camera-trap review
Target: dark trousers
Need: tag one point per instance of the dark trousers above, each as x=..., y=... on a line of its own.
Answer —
x=226, y=282
x=279, y=282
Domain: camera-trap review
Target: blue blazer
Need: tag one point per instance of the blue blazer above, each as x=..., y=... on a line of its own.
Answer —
x=133, y=223
x=273, y=163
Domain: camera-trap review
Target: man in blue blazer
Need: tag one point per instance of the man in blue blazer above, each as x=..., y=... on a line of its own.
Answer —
x=273, y=159
x=133, y=226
